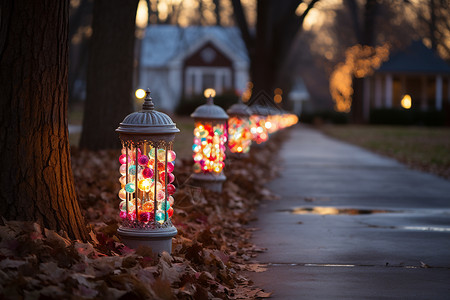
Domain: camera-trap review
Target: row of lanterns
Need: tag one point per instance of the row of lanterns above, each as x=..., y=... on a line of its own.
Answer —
x=147, y=161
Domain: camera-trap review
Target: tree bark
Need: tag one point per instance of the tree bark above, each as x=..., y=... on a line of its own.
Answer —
x=277, y=27
x=36, y=175
x=110, y=73
x=365, y=36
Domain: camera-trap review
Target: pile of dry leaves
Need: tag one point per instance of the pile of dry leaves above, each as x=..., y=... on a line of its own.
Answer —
x=210, y=250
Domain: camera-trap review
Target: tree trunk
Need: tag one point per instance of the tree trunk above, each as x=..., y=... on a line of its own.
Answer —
x=365, y=36
x=110, y=73
x=36, y=175
x=277, y=27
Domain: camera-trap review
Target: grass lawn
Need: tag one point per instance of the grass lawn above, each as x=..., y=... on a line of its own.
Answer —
x=423, y=148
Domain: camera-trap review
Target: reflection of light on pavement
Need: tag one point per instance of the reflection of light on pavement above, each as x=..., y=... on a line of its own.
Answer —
x=329, y=265
x=326, y=210
x=427, y=228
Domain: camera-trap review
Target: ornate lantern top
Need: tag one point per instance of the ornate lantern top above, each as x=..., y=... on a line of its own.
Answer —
x=148, y=121
x=209, y=111
x=260, y=110
x=239, y=109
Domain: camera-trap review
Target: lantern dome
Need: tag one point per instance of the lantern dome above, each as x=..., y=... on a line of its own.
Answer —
x=147, y=121
x=239, y=109
x=260, y=110
x=209, y=111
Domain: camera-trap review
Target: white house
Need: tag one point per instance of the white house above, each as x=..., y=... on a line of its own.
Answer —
x=177, y=62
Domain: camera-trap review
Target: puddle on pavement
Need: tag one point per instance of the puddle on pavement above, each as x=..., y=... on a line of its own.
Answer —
x=327, y=210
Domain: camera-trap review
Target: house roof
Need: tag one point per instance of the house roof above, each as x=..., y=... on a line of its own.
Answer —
x=417, y=58
x=163, y=44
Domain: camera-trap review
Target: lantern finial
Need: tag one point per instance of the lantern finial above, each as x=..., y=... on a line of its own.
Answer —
x=148, y=103
x=210, y=100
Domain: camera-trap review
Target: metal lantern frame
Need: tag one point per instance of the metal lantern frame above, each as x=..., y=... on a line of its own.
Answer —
x=213, y=114
x=142, y=131
x=241, y=112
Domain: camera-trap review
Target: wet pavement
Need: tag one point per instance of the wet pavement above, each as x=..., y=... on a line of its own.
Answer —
x=351, y=224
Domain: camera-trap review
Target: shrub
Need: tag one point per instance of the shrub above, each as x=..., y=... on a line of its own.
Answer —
x=395, y=116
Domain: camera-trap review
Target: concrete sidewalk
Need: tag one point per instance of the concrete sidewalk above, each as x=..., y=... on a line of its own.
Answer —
x=364, y=227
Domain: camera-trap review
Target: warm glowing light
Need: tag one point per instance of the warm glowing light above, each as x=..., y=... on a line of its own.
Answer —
x=140, y=93
x=209, y=93
x=209, y=147
x=142, y=14
x=142, y=167
x=268, y=125
x=277, y=98
x=360, y=61
x=240, y=137
x=258, y=129
x=406, y=102
x=278, y=91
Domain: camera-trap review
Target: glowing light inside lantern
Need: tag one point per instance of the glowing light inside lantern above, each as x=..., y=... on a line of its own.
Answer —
x=140, y=169
x=258, y=129
x=240, y=137
x=209, y=147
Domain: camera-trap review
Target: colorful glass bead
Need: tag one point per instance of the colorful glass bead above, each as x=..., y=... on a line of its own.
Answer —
x=171, y=189
x=123, y=159
x=171, y=155
x=123, y=205
x=132, y=170
x=159, y=216
x=162, y=177
x=170, y=212
x=143, y=160
x=197, y=167
x=123, y=169
x=165, y=205
x=144, y=185
x=161, y=195
x=123, y=180
x=161, y=166
x=144, y=216
x=122, y=194
x=148, y=206
x=147, y=173
x=130, y=187
x=161, y=154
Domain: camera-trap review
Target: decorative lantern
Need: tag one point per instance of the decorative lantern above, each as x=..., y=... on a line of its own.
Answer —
x=147, y=163
x=210, y=136
x=239, y=135
x=273, y=120
x=258, y=124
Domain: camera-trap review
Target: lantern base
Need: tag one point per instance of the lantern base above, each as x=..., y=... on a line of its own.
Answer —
x=159, y=240
x=209, y=181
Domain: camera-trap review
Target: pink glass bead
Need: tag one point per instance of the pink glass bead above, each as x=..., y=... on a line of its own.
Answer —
x=123, y=159
x=144, y=216
x=171, y=189
x=170, y=167
x=143, y=160
x=147, y=173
